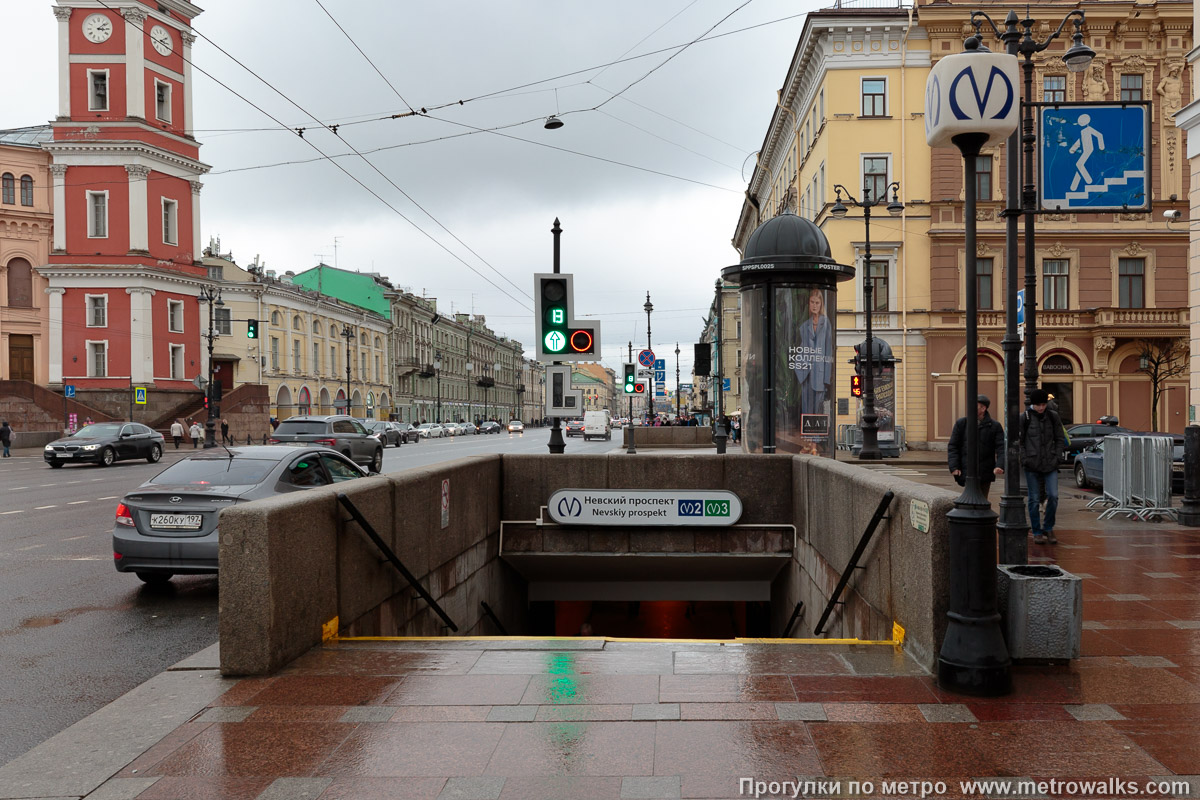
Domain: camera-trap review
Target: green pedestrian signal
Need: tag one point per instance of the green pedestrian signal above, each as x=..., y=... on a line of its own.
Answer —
x=630, y=379
x=251, y=329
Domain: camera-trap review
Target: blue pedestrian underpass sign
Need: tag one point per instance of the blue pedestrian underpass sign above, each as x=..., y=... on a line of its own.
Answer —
x=1095, y=157
x=68, y=390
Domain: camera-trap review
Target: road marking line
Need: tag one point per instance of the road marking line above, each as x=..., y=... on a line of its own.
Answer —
x=44, y=485
x=73, y=538
x=39, y=508
x=30, y=547
x=110, y=497
x=78, y=502
x=2, y=513
x=18, y=488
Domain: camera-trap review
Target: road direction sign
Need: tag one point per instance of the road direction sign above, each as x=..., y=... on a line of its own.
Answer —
x=1094, y=157
x=68, y=390
x=660, y=375
x=646, y=358
x=139, y=395
x=660, y=363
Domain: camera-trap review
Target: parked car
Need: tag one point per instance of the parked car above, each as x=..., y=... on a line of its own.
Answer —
x=104, y=443
x=344, y=434
x=467, y=429
x=431, y=430
x=1088, y=466
x=574, y=427
x=490, y=427
x=1085, y=435
x=168, y=525
x=385, y=433
x=407, y=431
x=516, y=426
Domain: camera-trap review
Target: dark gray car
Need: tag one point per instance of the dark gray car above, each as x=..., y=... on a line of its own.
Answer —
x=104, y=443
x=168, y=525
x=344, y=434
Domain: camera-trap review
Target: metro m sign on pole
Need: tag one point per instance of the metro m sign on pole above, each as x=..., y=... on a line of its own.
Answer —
x=972, y=93
x=560, y=337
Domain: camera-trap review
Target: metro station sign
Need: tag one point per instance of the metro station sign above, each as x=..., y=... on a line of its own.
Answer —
x=641, y=507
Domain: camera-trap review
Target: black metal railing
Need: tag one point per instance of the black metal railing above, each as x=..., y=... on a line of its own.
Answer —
x=834, y=599
x=492, y=616
x=357, y=516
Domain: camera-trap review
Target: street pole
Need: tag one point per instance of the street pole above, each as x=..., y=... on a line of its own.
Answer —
x=677, y=381
x=347, y=334
x=649, y=396
x=632, y=447
x=557, y=444
x=213, y=298
x=719, y=432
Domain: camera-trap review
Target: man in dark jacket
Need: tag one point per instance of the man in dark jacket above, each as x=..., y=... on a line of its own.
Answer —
x=1042, y=443
x=991, y=447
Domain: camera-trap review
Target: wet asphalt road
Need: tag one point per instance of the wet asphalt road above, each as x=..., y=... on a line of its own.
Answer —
x=74, y=633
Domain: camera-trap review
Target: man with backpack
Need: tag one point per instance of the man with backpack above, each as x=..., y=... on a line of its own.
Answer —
x=1042, y=444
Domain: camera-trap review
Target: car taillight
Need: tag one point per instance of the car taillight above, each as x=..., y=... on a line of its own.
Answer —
x=117, y=556
x=124, y=515
x=326, y=442
x=272, y=441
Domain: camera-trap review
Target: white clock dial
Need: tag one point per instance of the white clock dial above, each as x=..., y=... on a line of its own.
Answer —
x=160, y=39
x=97, y=28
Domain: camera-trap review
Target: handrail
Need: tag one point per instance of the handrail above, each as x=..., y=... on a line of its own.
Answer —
x=492, y=616
x=787, y=629
x=395, y=562
x=884, y=502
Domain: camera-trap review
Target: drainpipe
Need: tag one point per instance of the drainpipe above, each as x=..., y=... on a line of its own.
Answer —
x=903, y=262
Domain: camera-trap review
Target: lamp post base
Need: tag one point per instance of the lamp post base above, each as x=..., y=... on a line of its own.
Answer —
x=210, y=438
x=1013, y=531
x=558, y=445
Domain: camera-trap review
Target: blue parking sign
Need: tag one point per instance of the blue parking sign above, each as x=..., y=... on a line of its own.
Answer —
x=1094, y=157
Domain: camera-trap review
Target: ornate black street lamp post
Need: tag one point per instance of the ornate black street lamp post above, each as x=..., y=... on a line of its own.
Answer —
x=870, y=428
x=347, y=334
x=212, y=297
x=649, y=397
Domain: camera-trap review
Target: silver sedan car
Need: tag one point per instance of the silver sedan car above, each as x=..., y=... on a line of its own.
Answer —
x=168, y=525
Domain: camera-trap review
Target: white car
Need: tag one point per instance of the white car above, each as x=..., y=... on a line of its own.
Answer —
x=431, y=430
x=467, y=429
x=516, y=426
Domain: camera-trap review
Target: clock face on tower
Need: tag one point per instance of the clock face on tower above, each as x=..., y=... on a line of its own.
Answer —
x=160, y=39
x=97, y=28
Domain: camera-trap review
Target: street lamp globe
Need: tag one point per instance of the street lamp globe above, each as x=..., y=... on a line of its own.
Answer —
x=839, y=210
x=1080, y=55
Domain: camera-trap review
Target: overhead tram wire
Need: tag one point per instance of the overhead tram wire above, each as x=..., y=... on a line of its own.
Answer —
x=364, y=55
x=326, y=157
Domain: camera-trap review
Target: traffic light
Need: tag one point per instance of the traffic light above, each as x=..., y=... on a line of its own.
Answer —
x=639, y=388
x=559, y=336
x=859, y=364
x=630, y=378
x=251, y=329
x=856, y=388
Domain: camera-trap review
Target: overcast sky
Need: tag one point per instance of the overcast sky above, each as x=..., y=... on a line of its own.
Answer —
x=647, y=175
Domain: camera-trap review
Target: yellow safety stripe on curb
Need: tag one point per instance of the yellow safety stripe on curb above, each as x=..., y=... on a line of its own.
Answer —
x=891, y=643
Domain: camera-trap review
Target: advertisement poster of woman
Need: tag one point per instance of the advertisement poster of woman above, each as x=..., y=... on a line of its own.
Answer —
x=806, y=340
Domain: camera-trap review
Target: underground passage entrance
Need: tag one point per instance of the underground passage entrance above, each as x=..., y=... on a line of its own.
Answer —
x=654, y=619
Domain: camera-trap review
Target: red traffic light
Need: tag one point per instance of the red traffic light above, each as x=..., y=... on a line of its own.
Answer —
x=856, y=388
x=581, y=341
x=639, y=388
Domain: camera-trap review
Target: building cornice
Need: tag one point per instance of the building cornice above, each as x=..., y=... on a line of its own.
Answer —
x=181, y=7
x=82, y=153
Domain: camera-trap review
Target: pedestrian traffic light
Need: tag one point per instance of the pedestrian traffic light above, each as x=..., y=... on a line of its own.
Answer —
x=251, y=329
x=856, y=389
x=559, y=336
x=630, y=378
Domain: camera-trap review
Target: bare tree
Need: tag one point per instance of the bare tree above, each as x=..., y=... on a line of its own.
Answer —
x=1161, y=359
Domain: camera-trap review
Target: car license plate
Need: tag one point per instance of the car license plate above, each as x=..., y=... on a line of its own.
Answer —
x=62, y=455
x=178, y=522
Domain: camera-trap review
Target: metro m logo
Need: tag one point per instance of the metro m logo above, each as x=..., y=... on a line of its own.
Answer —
x=570, y=507
x=985, y=101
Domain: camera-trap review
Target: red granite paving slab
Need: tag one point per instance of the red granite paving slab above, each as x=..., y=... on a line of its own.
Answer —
x=410, y=749
x=163, y=748
x=384, y=789
x=873, y=712
x=247, y=749
x=1180, y=606
x=856, y=689
x=576, y=788
x=359, y=661
x=1139, y=685
x=550, y=749
x=1099, y=662
x=1189, y=674
x=726, y=689
x=1105, y=610
x=1159, y=711
x=739, y=661
x=1003, y=712
x=441, y=714
x=1175, y=743
x=727, y=711
x=629, y=662
x=241, y=691
x=1096, y=643
x=1138, y=625
x=1030, y=685
x=297, y=714
x=324, y=690
x=462, y=690
x=874, y=750
x=594, y=689
x=1060, y=749
x=710, y=756
x=201, y=788
x=1158, y=643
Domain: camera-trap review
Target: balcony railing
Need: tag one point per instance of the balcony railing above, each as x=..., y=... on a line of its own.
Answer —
x=1085, y=318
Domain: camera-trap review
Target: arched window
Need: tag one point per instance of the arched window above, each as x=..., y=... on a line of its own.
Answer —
x=378, y=344
x=363, y=340
x=333, y=330
x=20, y=284
x=296, y=322
x=316, y=327
x=26, y=190
x=8, y=188
x=274, y=317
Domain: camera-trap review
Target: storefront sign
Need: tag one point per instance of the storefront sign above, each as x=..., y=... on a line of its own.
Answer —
x=640, y=507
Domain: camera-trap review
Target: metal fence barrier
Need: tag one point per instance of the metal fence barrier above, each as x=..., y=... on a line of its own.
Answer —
x=1137, y=477
x=849, y=437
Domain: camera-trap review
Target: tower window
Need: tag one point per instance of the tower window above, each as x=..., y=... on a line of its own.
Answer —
x=9, y=182
x=170, y=221
x=98, y=90
x=162, y=101
x=175, y=316
x=97, y=204
x=26, y=190
x=97, y=311
x=97, y=359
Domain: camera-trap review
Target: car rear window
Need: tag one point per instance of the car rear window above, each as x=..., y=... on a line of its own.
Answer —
x=300, y=427
x=216, y=471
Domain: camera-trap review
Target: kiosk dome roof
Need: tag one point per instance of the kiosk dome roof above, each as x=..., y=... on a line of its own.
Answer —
x=788, y=235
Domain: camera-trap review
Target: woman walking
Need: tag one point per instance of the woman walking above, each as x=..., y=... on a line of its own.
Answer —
x=197, y=434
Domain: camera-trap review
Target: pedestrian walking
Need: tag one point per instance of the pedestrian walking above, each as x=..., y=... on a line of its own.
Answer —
x=197, y=434
x=990, y=456
x=1042, y=444
x=6, y=437
x=225, y=432
x=177, y=432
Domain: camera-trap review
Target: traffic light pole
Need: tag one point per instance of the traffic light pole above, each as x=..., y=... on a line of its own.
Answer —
x=557, y=444
x=632, y=447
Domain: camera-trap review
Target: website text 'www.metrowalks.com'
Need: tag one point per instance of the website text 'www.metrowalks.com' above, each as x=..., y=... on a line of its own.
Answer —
x=981, y=788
